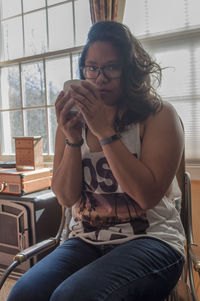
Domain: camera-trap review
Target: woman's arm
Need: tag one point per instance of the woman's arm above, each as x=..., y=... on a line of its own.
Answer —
x=146, y=180
x=67, y=171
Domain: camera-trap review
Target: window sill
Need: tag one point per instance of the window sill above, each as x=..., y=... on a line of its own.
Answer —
x=47, y=160
x=194, y=170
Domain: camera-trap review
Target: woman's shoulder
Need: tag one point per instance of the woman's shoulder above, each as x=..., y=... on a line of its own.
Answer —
x=166, y=118
x=166, y=109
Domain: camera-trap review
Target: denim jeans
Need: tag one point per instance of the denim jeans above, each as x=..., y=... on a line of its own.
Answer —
x=138, y=270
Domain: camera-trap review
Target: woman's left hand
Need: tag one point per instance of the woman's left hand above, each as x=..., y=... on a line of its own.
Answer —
x=89, y=103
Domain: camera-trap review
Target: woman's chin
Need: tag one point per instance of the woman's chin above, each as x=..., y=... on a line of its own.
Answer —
x=108, y=100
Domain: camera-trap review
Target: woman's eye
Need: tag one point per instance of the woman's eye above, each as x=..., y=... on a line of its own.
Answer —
x=113, y=67
x=92, y=68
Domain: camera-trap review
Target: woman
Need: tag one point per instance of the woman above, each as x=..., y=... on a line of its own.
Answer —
x=117, y=172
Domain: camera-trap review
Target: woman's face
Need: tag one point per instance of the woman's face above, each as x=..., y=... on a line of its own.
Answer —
x=101, y=54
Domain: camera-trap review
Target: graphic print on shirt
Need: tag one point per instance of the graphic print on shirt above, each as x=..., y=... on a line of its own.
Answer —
x=103, y=204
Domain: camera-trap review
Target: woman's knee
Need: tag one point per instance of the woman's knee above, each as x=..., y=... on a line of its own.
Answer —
x=73, y=289
x=23, y=292
x=29, y=288
x=68, y=294
x=15, y=294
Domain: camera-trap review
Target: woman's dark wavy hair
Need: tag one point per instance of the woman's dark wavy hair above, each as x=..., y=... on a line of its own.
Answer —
x=139, y=72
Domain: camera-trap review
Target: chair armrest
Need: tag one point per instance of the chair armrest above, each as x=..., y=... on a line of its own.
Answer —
x=35, y=249
x=194, y=251
x=43, y=245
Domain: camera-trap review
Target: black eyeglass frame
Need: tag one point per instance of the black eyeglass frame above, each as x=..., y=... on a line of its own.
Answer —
x=100, y=69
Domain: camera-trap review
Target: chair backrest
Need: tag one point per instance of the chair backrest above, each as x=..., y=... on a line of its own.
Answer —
x=180, y=175
x=185, y=288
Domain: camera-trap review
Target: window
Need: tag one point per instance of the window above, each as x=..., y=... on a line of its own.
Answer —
x=41, y=42
x=171, y=34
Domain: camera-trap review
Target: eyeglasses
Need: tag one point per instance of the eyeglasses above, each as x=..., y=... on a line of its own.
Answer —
x=109, y=71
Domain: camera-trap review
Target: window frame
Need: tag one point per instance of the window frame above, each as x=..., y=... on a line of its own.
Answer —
x=67, y=52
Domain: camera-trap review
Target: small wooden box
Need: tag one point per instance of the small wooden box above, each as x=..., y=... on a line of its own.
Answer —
x=29, y=152
x=17, y=182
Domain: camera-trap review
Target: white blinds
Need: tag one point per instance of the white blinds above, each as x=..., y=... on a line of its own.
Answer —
x=170, y=31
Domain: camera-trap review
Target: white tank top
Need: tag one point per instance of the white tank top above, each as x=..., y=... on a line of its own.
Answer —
x=106, y=215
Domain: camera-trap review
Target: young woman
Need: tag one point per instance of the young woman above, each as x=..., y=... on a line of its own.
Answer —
x=117, y=172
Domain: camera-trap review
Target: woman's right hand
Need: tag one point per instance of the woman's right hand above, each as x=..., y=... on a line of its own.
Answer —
x=68, y=121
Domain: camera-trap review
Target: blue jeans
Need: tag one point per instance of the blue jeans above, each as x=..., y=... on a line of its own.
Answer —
x=138, y=270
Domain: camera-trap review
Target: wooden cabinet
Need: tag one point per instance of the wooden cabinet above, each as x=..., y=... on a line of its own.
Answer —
x=196, y=221
x=24, y=221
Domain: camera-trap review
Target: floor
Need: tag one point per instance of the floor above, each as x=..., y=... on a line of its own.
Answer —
x=4, y=292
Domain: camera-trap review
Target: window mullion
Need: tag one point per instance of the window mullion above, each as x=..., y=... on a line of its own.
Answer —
x=1, y=36
x=71, y=66
x=46, y=107
x=146, y=12
x=21, y=98
x=74, y=21
x=47, y=24
x=187, y=22
x=23, y=30
x=43, y=55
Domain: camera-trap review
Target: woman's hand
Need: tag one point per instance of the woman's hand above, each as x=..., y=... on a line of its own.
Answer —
x=68, y=121
x=96, y=114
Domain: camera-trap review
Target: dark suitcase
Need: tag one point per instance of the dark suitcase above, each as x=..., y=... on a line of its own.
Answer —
x=24, y=221
x=17, y=182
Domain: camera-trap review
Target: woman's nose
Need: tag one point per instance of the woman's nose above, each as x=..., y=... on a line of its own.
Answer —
x=101, y=78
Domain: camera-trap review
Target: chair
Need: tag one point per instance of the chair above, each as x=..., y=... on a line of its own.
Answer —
x=185, y=289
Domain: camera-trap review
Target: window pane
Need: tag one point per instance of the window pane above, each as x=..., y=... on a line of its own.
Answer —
x=50, y=2
x=193, y=12
x=12, y=36
x=36, y=124
x=10, y=8
x=196, y=73
x=82, y=20
x=165, y=15
x=10, y=92
x=35, y=33
x=134, y=16
x=61, y=34
x=175, y=80
x=33, y=84
x=11, y=126
x=30, y=5
x=52, y=129
x=57, y=72
x=75, y=59
x=188, y=111
x=153, y=16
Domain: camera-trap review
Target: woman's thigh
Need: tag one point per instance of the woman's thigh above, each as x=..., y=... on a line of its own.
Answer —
x=42, y=279
x=139, y=270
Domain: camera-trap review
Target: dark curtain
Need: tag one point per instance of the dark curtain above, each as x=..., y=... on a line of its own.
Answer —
x=102, y=10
